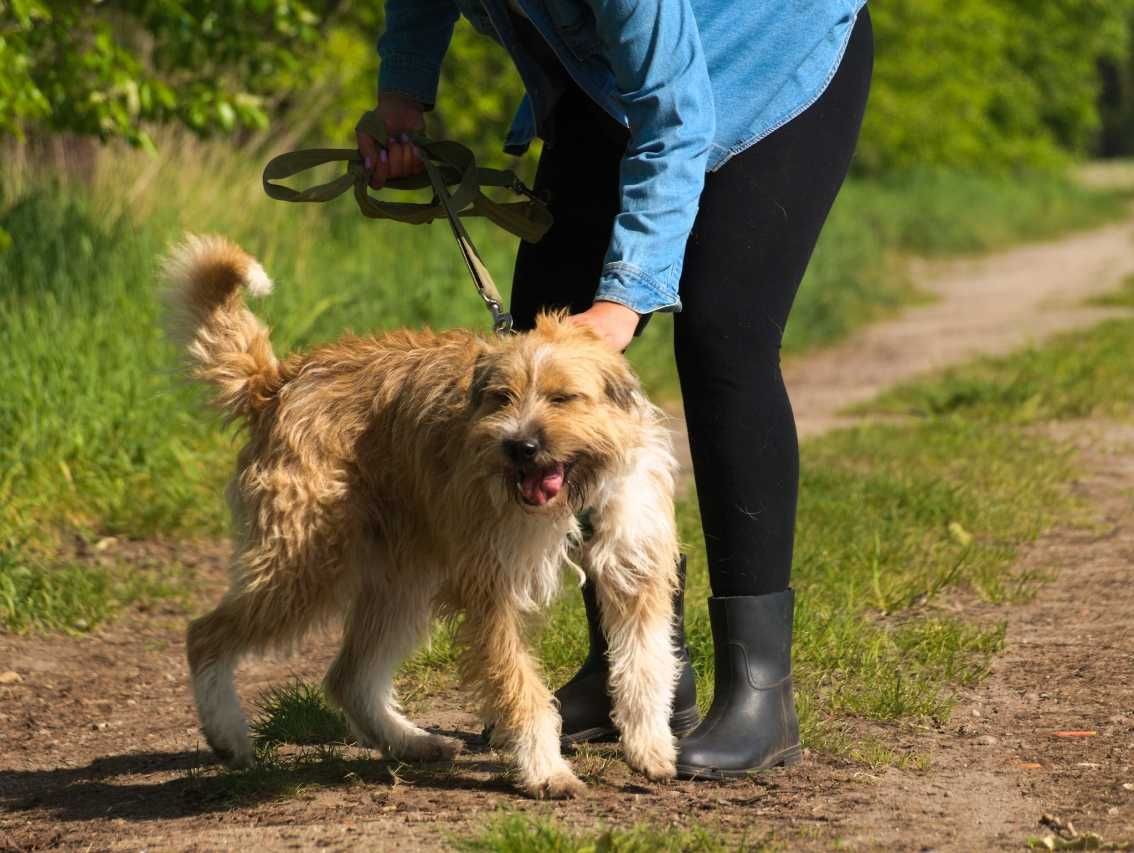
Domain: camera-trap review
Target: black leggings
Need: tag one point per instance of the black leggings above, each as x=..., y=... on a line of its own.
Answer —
x=759, y=219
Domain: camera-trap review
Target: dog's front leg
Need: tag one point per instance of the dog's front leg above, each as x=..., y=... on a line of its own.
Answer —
x=499, y=666
x=632, y=559
x=643, y=671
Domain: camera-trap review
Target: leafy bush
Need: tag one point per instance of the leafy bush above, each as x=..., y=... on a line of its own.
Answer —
x=962, y=83
x=988, y=83
x=106, y=69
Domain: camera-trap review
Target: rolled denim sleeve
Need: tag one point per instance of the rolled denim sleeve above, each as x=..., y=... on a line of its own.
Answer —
x=413, y=47
x=655, y=52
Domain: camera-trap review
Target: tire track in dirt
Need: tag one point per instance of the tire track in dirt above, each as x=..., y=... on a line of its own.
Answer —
x=99, y=747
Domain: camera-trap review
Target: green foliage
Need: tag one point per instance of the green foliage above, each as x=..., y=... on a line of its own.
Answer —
x=107, y=69
x=517, y=833
x=297, y=713
x=988, y=84
x=70, y=596
x=1084, y=374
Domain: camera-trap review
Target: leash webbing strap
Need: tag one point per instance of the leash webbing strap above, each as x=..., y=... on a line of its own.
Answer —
x=447, y=164
x=482, y=278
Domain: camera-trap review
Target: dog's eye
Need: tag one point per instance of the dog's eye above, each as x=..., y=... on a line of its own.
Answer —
x=562, y=399
x=498, y=398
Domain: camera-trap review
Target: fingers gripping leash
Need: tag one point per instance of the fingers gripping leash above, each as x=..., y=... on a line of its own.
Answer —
x=447, y=164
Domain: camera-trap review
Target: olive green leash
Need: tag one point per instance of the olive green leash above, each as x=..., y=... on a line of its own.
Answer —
x=447, y=164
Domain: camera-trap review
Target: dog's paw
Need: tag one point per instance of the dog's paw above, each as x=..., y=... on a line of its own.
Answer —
x=657, y=762
x=563, y=785
x=237, y=755
x=426, y=748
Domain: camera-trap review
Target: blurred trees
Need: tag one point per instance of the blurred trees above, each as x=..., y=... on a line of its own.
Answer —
x=969, y=83
x=108, y=69
x=989, y=83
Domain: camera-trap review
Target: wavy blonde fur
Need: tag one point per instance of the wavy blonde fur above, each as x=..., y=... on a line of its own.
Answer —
x=376, y=483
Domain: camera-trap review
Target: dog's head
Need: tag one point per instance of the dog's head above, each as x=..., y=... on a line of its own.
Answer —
x=553, y=410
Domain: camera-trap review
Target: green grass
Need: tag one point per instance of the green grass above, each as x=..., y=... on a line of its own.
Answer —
x=1121, y=298
x=97, y=434
x=75, y=597
x=942, y=212
x=1081, y=374
x=297, y=713
x=523, y=834
x=892, y=520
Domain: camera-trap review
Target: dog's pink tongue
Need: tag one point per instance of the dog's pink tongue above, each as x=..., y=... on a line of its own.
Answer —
x=542, y=485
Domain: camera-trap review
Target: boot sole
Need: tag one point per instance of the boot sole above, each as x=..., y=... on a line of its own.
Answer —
x=681, y=723
x=786, y=758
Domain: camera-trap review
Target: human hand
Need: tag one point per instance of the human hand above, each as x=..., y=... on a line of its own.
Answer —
x=614, y=323
x=400, y=158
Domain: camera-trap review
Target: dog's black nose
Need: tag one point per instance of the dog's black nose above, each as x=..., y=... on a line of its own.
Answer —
x=521, y=450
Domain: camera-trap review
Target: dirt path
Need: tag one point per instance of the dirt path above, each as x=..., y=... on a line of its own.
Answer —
x=981, y=306
x=1000, y=763
x=984, y=306
x=99, y=747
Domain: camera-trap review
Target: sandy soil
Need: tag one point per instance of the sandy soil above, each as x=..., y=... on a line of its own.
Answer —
x=99, y=748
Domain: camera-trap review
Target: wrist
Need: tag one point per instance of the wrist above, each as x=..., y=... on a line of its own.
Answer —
x=402, y=99
x=616, y=312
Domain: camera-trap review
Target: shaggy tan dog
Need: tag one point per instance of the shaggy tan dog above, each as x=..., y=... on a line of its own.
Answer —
x=391, y=479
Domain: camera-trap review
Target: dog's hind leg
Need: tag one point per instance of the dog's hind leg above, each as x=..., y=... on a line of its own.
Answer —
x=214, y=646
x=385, y=624
x=248, y=619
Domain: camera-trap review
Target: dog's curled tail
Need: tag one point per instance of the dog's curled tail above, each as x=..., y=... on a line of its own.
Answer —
x=227, y=345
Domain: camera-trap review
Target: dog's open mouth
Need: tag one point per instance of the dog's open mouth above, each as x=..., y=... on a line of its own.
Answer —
x=540, y=484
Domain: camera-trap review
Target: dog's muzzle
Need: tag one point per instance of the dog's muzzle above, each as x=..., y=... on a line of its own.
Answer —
x=539, y=483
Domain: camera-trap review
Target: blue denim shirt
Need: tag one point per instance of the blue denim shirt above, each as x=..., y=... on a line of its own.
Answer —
x=695, y=81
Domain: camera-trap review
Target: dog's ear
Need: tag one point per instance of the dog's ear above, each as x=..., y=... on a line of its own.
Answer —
x=481, y=375
x=620, y=384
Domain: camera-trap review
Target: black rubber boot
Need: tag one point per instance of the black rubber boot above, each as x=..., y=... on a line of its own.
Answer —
x=584, y=703
x=751, y=724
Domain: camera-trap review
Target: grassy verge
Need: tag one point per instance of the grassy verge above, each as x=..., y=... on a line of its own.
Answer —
x=98, y=435
x=72, y=596
x=520, y=834
x=1079, y=375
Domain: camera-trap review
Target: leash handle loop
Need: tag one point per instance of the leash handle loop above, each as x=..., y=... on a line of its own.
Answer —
x=447, y=164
